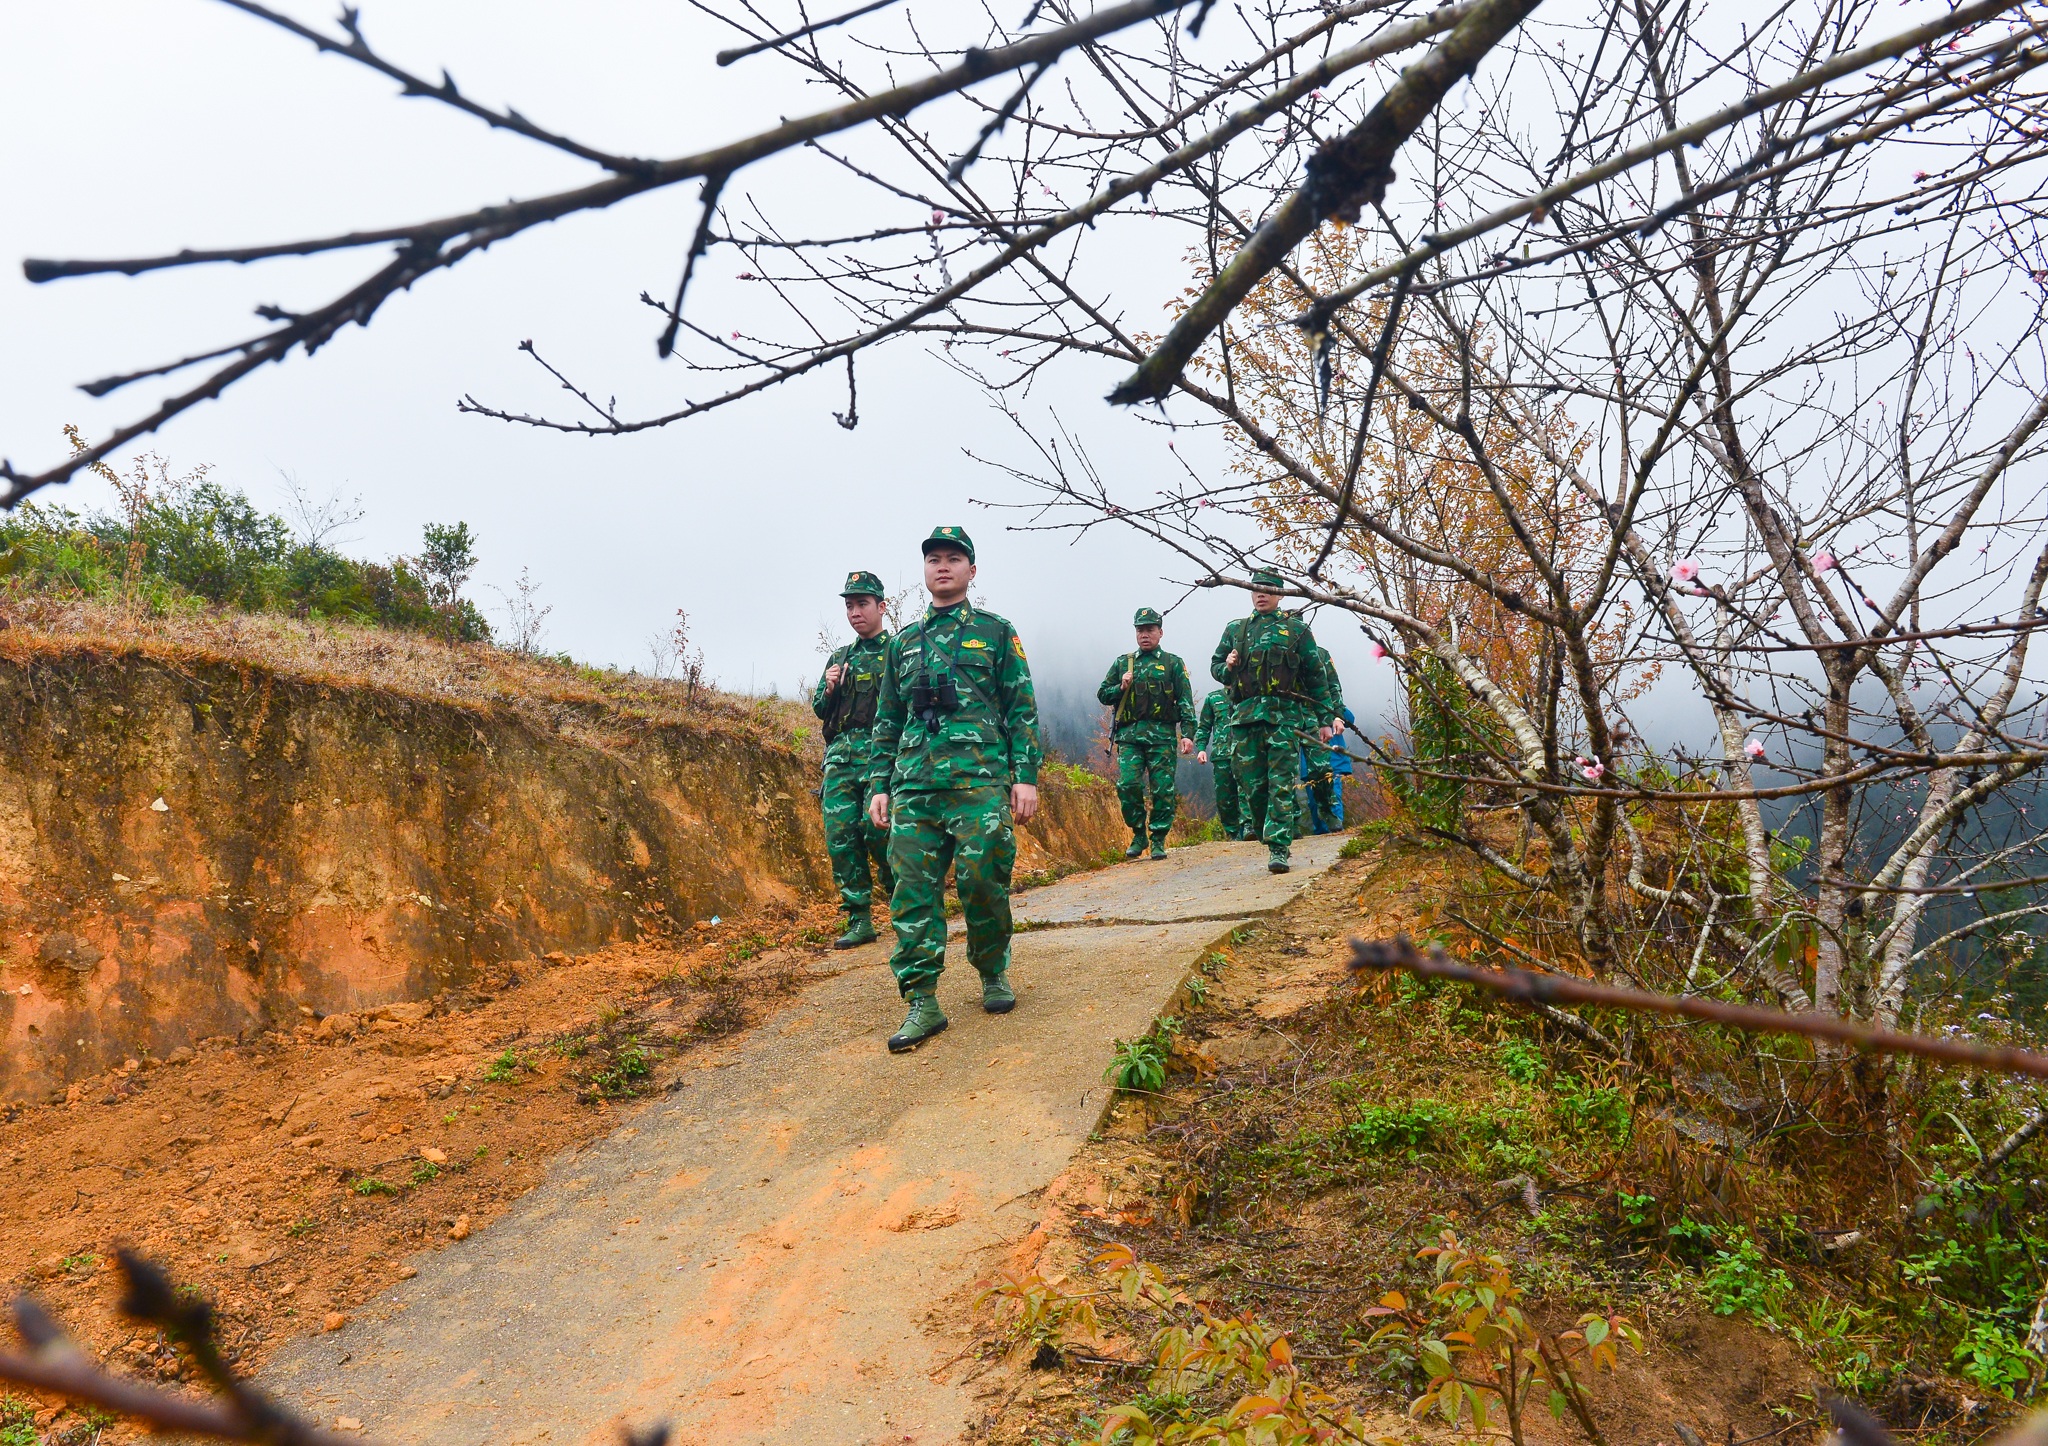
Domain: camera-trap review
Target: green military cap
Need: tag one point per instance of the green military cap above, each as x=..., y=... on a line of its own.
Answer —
x=955, y=536
x=863, y=584
x=1148, y=618
x=1267, y=581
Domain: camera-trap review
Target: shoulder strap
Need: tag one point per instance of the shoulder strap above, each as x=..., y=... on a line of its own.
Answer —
x=968, y=678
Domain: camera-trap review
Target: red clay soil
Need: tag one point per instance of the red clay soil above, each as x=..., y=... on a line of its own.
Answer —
x=289, y=1177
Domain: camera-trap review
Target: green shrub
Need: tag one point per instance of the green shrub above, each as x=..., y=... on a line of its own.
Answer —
x=1446, y=726
x=1411, y=1126
x=1738, y=1281
x=624, y=1076
x=1140, y=1064
x=1994, y=1358
x=1585, y=1109
x=192, y=541
x=18, y=1422
x=1521, y=1061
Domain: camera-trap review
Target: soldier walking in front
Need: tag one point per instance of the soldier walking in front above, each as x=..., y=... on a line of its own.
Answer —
x=1212, y=746
x=955, y=760
x=844, y=701
x=1273, y=673
x=1154, y=719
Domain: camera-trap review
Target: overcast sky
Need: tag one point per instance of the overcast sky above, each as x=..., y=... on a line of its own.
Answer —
x=131, y=127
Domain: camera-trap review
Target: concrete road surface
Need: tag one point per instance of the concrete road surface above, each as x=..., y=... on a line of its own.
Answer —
x=750, y=1256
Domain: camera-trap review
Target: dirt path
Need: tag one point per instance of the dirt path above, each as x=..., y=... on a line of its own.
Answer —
x=750, y=1257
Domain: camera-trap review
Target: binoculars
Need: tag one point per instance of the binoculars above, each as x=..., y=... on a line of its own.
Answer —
x=933, y=697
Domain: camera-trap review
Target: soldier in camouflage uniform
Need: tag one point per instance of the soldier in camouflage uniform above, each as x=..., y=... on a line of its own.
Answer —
x=1319, y=763
x=955, y=758
x=1155, y=713
x=1212, y=746
x=1273, y=673
x=845, y=701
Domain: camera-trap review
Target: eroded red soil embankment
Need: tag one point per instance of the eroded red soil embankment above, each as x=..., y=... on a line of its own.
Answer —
x=192, y=847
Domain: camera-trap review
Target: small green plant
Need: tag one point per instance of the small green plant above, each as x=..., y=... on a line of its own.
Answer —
x=1738, y=1282
x=84, y=1261
x=18, y=1423
x=371, y=1185
x=1198, y=990
x=1587, y=1109
x=304, y=1226
x=503, y=1069
x=1411, y=1126
x=1521, y=1061
x=1637, y=1212
x=1140, y=1064
x=1843, y=1347
x=425, y=1171
x=1691, y=1237
x=1994, y=1358
x=626, y=1074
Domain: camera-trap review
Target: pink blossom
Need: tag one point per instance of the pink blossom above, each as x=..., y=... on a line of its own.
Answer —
x=1823, y=561
x=735, y=336
x=1594, y=771
x=1753, y=748
x=1919, y=175
x=1685, y=570
x=1375, y=651
x=938, y=217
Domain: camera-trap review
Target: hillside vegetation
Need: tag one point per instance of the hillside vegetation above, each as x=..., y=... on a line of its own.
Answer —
x=1313, y=1191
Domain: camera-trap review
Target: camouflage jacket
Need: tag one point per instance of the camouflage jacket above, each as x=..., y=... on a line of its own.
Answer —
x=1212, y=732
x=1331, y=705
x=989, y=737
x=1280, y=676
x=1159, y=703
x=848, y=711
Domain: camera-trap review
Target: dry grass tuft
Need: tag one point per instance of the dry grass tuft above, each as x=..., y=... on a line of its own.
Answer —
x=601, y=704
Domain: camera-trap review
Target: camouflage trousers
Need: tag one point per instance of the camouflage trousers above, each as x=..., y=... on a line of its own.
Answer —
x=1325, y=800
x=858, y=850
x=1267, y=758
x=1144, y=771
x=967, y=830
x=1228, y=813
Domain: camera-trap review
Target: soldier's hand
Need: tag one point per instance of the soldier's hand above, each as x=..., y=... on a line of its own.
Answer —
x=833, y=674
x=1023, y=801
x=878, y=810
x=1187, y=746
x=1323, y=735
x=1202, y=757
x=1127, y=677
x=1231, y=661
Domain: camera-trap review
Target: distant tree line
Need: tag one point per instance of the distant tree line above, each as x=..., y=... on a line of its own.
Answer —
x=185, y=540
